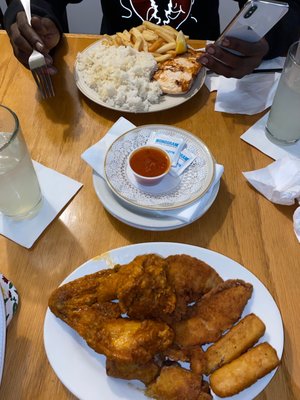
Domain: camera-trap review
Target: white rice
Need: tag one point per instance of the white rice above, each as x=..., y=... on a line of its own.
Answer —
x=121, y=76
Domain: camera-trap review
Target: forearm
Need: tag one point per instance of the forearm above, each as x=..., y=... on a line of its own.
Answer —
x=53, y=9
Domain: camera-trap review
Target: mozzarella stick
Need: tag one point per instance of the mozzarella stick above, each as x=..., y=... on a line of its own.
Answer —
x=235, y=342
x=242, y=372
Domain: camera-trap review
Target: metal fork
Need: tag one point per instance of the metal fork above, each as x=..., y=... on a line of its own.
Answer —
x=37, y=63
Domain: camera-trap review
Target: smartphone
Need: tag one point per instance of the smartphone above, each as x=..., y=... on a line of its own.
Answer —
x=254, y=20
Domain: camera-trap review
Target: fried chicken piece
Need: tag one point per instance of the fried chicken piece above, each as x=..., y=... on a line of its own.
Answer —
x=143, y=372
x=148, y=294
x=190, y=278
x=217, y=311
x=175, y=383
x=121, y=339
x=194, y=355
x=80, y=292
x=198, y=360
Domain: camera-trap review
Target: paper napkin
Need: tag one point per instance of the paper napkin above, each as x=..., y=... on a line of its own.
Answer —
x=256, y=136
x=249, y=95
x=279, y=182
x=95, y=155
x=57, y=190
x=188, y=213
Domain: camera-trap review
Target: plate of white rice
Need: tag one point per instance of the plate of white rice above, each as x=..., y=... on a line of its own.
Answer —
x=119, y=78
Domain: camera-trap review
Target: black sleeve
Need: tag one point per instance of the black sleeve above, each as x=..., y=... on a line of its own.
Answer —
x=285, y=32
x=53, y=9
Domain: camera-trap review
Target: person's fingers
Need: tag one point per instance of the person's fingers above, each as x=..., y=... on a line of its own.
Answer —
x=216, y=66
x=28, y=33
x=249, y=49
x=223, y=62
x=47, y=30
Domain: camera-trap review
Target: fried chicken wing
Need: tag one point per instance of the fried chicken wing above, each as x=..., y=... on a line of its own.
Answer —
x=176, y=383
x=80, y=292
x=143, y=372
x=217, y=311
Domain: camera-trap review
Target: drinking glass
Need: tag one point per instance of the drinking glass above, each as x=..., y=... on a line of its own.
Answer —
x=20, y=193
x=284, y=119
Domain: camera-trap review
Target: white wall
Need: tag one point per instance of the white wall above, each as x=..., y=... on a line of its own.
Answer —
x=86, y=16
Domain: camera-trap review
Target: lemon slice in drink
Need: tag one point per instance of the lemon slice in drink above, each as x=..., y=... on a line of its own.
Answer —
x=181, y=45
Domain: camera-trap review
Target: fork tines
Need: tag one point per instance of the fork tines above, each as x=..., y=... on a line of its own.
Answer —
x=43, y=81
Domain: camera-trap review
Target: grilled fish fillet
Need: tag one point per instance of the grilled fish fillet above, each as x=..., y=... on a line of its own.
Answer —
x=177, y=75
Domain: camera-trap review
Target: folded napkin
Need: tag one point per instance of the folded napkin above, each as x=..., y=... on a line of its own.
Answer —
x=10, y=297
x=279, y=182
x=57, y=190
x=256, y=136
x=249, y=95
x=189, y=213
x=95, y=156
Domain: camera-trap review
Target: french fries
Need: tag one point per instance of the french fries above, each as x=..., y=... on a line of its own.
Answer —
x=160, y=41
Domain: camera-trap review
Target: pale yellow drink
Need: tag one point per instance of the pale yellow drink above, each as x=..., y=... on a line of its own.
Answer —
x=20, y=194
x=284, y=119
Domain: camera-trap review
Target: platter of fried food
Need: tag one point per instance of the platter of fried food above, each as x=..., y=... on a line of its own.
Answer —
x=145, y=69
x=165, y=321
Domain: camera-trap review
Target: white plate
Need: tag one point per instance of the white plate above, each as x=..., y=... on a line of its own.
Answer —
x=2, y=333
x=193, y=183
x=166, y=102
x=82, y=370
x=137, y=218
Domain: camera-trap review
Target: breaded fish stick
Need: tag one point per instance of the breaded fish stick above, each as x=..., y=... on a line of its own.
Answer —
x=242, y=372
x=235, y=342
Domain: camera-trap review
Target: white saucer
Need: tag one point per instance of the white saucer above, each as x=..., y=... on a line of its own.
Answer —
x=147, y=220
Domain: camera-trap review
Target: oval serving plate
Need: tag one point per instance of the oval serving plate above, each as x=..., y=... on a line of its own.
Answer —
x=192, y=184
x=82, y=370
x=166, y=101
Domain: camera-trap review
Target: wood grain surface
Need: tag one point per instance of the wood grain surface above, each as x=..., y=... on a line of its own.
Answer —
x=241, y=223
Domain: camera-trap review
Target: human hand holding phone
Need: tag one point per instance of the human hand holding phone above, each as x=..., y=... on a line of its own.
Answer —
x=241, y=47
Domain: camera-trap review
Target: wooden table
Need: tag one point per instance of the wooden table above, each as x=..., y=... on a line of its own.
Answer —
x=241, y=223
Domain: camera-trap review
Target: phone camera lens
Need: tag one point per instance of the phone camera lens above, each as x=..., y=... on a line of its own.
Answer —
x=250, y=12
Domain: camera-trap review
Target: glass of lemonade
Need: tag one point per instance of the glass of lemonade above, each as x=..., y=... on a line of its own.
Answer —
x=20, y=193
x=284, y=119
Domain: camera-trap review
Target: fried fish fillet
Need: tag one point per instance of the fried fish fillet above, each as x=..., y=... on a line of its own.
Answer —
x=217, y=311
x=176, y=383
x=177, y=74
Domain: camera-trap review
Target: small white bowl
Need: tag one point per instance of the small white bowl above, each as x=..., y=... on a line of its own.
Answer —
x=149, y=164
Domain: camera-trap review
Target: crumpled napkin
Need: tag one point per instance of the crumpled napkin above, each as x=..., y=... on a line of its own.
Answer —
x=58, y=190
x=95, y=156
x=249, y=95
x=279, y=182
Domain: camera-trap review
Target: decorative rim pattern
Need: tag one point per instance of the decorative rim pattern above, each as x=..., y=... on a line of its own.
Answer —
x=193, y=183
